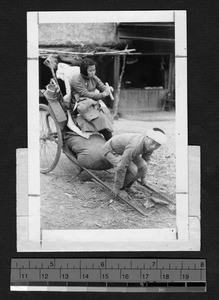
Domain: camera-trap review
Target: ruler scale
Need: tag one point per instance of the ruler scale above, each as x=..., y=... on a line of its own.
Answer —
x=108, y=275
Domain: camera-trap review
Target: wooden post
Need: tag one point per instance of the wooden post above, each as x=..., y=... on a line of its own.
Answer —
x=117, y=94
x=115, y=78
x=173, y=79
x=170, y=77
x=116, y=71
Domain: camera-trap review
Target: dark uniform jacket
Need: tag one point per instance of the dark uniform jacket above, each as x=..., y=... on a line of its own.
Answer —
x=129, y=146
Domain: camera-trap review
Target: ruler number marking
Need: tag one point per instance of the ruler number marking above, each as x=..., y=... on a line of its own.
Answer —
x=166, y=276
x=85, y=276
x=24, y=276
x=145, y=276
x=51, y=264
x=185, y=276
x=105, y=276
x=125, y=276
x=45, y=275
x=153, y=265
x=65, y=276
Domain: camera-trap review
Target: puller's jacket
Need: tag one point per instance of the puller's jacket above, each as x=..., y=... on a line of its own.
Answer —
x=129, y=146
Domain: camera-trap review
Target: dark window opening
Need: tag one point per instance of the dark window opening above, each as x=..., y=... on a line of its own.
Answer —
x=146, y=71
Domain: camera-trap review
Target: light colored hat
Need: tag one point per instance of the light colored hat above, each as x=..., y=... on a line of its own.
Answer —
x=157, y=136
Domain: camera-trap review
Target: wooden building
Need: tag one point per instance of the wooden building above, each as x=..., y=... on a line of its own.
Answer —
x=148, y=72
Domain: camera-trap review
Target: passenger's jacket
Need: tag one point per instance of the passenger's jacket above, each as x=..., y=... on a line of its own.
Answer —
x=98, y=116
x=85, y=87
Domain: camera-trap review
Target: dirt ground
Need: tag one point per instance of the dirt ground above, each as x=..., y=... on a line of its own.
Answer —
x=69, y=201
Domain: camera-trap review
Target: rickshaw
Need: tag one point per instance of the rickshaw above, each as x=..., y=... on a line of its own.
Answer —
x=53, y=118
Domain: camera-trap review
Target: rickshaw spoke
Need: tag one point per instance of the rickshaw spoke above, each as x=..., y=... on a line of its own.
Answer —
x=50, y=140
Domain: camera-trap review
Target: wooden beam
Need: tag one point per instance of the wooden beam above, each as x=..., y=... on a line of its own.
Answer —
x=119, y=52
x=141, y=38
x=158, y=24
x=44, y=54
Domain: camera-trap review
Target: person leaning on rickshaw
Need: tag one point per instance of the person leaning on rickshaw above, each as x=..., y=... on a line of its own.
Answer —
x=89, y=90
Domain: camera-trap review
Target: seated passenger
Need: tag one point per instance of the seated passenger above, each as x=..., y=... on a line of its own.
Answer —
x=89, y=90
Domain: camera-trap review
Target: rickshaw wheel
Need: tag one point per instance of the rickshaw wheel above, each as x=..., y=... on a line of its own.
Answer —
x=50, y=140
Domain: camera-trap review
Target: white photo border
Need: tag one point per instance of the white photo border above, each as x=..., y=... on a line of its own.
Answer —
x=108, y=240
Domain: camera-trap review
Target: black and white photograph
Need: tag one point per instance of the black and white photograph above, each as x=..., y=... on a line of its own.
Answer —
x=108, y=157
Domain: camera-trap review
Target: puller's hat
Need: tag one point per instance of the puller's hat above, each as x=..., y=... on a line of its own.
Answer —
x=157, y=136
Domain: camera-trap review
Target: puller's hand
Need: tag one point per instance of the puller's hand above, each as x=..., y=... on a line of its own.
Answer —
x=114, y=193
x=143, y=181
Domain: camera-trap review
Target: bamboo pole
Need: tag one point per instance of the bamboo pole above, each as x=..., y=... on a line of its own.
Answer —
x=152, y=191
x=119, y=52
x=117, y=95
x=96, y=179
x=121, y=198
